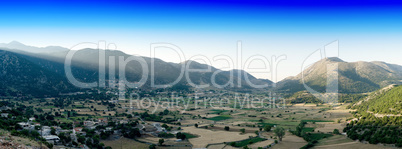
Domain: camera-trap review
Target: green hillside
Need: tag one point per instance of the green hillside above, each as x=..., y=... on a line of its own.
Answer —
x=377, y=118
x=383, y=102
x=20, y=76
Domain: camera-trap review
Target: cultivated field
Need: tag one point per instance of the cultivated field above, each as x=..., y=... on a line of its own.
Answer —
x=125, y=143
x=210, y=137
x=328, y=127
x=290, y=142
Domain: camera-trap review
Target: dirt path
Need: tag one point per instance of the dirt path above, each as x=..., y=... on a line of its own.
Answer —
x=382, y=115
x=325, y=146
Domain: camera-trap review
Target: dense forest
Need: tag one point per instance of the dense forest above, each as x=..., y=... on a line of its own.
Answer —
x=375, y=130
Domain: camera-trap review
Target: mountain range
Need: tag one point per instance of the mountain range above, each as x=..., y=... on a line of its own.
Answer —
x=40, y=71
x=31, y=64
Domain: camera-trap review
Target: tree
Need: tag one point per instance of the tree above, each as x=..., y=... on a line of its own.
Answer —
x=196, y=125
x=181, y=136
x=233, y=144
x=336, y=131
x=243, y=130
x=134, y=133
x=74, y=143
x=165, y=126
x=81, y=139
x=52, y=131
x=161, y=141
x=280, y=132
x=267, y=128
x=166, y=112
x=227, y=128
x=153, y=146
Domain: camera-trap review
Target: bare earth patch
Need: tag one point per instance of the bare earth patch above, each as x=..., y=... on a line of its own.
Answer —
x=290, y=142
x=328, y=127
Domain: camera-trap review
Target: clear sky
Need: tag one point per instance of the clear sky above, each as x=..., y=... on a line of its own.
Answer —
x=366, y=30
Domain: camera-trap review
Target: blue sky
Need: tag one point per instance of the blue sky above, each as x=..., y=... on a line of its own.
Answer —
x=366, y=30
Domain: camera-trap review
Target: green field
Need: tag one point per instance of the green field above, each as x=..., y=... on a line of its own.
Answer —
x=189, y=136
x=265, y=124
x=48, y=107
x=317, y=121
x=64, y=120
x=318, y=136
x=220, y=118
x=214, y=111
x=308, y=129
x=247, y=142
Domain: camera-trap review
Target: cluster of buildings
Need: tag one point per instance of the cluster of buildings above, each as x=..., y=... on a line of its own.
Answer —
x=93, y=125
x=153, y=129
x=44, y=131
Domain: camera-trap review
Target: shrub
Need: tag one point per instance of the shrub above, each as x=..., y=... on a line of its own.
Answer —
x=336, y=131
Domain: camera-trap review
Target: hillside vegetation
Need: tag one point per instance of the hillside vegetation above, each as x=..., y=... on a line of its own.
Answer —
x=306, y=97
x=378, y=118
x=383, y=102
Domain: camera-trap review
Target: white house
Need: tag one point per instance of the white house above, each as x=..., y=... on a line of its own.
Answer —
x=25, y=125
x=52, y=139
x=4, y=115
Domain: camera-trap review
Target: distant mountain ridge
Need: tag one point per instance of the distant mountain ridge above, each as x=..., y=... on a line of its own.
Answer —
x=85, y=68
x=15, y=45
